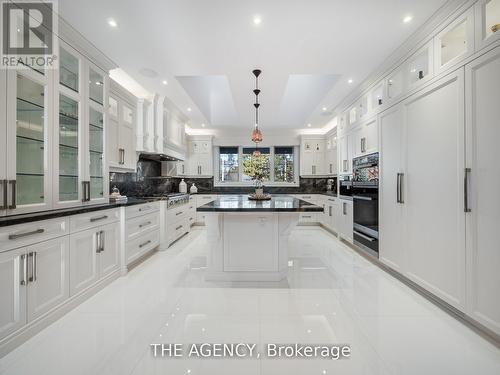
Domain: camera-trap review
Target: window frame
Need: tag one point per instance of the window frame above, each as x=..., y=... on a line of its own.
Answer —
x=271, y=182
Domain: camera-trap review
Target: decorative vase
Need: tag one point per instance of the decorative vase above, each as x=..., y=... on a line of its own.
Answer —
x=495, y=28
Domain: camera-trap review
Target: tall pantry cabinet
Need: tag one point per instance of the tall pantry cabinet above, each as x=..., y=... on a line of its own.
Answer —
x=482, y=81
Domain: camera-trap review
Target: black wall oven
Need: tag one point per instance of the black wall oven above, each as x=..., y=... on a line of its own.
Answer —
x=365, y=200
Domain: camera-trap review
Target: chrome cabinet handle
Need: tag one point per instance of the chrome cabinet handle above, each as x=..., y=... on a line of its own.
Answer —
x=98, y=242
x=344, y=208
x=179, y=227
x=84, y=191
x=24, y=269
x=361, y=198
x=401, y=186
x=363, y=144
x=331, y=168
x=93, y=219
x=330, y=211
x=101, y=240
x=179, y=213
x=13, y=184
x=466, y=190
x=344, y=162
x=144, y=244
x=121, y=156
x=4, y=195
x=145, y=224
x=15, y=236
x=145, y=208
x=397, y=189
x=33, y=274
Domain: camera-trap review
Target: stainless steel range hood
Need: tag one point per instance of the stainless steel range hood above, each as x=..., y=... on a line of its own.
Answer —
x=157, y=157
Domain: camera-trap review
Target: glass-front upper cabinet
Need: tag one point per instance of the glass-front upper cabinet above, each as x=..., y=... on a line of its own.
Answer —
x=377, y=96
x=27, y=157
x=396, y=84
x=68, y=144
x=455, y=42
x=487, y=16
x=96, y=87
x=96, y=152
x=419, y=67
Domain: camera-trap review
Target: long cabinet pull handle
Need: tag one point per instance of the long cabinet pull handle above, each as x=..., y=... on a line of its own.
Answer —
x=344, y=208
x=397, y=189
x=179, y=213
x=24, y=269
x=88, y=191
x=84, y=191
x=97, y=242
x=33, y=273
x=466, y=190
x=102, y=235
x=5, y=205
x=401, y=188
x=145, y=243
x=15, y=236
x=179, y=227
x=93, y=219
x=371, y=239
x=13, y=184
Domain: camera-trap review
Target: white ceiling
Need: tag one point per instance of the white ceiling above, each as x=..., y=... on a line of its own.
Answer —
x=207, y=49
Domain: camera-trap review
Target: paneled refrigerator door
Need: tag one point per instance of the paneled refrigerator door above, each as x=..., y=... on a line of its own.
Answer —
x=29, y=140
x=482, y=199
x=391, y=250
x=97, y=189
x=68, y=131
x=3, y=143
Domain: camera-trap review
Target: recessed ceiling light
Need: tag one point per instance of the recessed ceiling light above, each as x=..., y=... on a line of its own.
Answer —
x=189, y=109
x=324, y=109
x=164, y=82
x=309, y=125
x=257, y=20
x=112, y=22
x=407, y=19
x=202, y=125
x=350, y=81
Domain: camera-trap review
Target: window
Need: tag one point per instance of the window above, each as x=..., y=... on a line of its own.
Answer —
x=256, y=166
x=228, y=164
x=284, y=164
x=274, y=166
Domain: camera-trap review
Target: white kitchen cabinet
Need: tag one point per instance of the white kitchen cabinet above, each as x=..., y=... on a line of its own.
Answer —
x=312, y=156
x=345, y=220
x=421, y=143
x=365, y=138
x=199, y=161
x=48, y=276
x=345, y=152
x=122, y=118
x=12, y=291
x=455, y=42
x=202, y=199
x=83, y=260
x=331, y=214
x=27, y=153
x=420, y=66
x=483, y=220
x=392, y=249
x=396, y=84
x=93, y=255
x=487, y=22
x=331, y=159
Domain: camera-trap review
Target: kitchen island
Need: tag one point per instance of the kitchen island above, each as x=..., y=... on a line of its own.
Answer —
x=248, y=240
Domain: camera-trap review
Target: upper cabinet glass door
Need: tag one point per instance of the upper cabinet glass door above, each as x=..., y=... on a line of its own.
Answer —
x=455, y=42
x=27, y=140
x=96, y=87
x=487, y=21
x=69, y=70
x=96, y=150
x=419, y=67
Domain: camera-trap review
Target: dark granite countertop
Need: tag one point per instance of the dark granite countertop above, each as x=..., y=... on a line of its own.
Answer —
x=328, y=193
x=241, y=203
x=51, y=214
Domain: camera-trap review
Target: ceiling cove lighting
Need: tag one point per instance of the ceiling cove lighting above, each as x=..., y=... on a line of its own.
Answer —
x=112, y=22
x=407, y=19
x=256, y=133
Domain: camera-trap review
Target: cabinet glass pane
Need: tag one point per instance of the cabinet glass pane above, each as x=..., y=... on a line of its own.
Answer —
x=395, y=84
x=454, y=43
x=418, y=67
x=96, y=143
x=68, y=149
x=68, y=70
x=378, y=96
x=113, y=107
x=492, y=17
x=30, y=131
x=96, y=87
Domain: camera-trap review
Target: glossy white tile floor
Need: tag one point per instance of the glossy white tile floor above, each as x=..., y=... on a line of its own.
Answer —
x=332, y=296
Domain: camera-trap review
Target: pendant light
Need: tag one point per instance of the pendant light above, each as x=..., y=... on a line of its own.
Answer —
x=256, y=133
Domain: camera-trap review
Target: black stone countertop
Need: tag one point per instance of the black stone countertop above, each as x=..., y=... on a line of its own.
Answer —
x=51, y=214
x=241, y=203
x=328, y=193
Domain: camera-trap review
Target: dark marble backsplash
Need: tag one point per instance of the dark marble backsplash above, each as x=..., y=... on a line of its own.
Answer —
x=147, y=182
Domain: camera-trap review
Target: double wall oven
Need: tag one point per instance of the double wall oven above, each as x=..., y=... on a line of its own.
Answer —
x=365, y=199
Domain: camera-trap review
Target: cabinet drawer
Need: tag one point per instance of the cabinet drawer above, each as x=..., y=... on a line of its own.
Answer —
x=178, y=230
x=142, y=224
x=177, y=213
x=81, y=222
x=25, y=234
x=141, y=209
x=142, y=244
x=308, y=217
